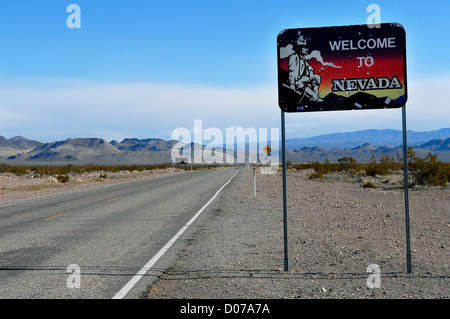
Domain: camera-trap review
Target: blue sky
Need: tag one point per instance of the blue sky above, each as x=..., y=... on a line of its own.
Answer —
x=143, y=68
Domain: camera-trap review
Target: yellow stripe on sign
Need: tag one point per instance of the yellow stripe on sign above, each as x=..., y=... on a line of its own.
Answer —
x=111, y=200
x=55, y=216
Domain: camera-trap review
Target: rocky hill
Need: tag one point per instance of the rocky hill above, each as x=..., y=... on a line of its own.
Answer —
x=17, y=144
x=19, y=150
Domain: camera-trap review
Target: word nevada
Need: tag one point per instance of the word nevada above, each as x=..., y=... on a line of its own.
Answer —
x=364, y=84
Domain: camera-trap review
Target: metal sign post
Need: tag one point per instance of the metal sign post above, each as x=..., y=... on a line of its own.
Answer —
x=283, y=160
x=254, y=181
x=342, y=68
x=406, y=186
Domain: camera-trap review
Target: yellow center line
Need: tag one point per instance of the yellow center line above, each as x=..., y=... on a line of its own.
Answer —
x=55, y=216
x=113, y=199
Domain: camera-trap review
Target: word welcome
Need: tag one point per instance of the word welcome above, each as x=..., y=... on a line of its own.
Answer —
x=362, y=44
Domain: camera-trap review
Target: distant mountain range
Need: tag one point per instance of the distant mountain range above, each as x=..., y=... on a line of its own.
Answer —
x=363, y=153
x=360, y=145
x=93, y=150
x=376, y=138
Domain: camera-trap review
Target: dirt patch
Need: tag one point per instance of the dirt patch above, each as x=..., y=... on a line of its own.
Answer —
x=14, y=188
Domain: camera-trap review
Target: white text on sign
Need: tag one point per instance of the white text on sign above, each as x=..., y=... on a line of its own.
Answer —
x=362, y=44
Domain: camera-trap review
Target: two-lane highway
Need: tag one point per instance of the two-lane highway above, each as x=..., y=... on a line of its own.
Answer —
x=110, y=233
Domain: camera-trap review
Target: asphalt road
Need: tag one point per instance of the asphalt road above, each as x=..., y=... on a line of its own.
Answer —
x=90, y=244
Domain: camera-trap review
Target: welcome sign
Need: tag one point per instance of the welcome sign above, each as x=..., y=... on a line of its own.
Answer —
x=342, y=68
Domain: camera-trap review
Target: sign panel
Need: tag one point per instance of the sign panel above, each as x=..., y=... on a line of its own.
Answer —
x=342, y=68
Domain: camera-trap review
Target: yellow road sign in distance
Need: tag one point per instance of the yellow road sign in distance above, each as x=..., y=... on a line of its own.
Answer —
x=267, y=149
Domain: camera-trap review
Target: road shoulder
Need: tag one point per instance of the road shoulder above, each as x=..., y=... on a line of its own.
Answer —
x=336, y=232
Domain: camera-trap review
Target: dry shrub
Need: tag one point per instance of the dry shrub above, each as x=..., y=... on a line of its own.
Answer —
x=427, y=171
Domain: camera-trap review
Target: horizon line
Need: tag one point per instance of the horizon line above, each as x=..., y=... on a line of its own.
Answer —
x=168, y=140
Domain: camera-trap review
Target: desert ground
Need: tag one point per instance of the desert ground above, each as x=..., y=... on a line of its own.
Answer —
x=338, y=233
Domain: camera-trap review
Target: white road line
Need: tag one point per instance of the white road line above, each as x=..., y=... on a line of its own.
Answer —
x=121, y=294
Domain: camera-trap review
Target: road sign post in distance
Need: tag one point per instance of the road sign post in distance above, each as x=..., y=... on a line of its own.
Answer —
x=342, y=68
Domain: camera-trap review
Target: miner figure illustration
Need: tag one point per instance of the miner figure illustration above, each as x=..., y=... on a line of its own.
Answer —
x=301, y=74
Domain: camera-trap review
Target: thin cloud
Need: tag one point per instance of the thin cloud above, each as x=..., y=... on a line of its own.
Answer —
x=144, y=110
x=132, y=110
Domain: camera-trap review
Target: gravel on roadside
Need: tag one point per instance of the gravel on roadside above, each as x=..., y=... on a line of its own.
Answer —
x=338, y=234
